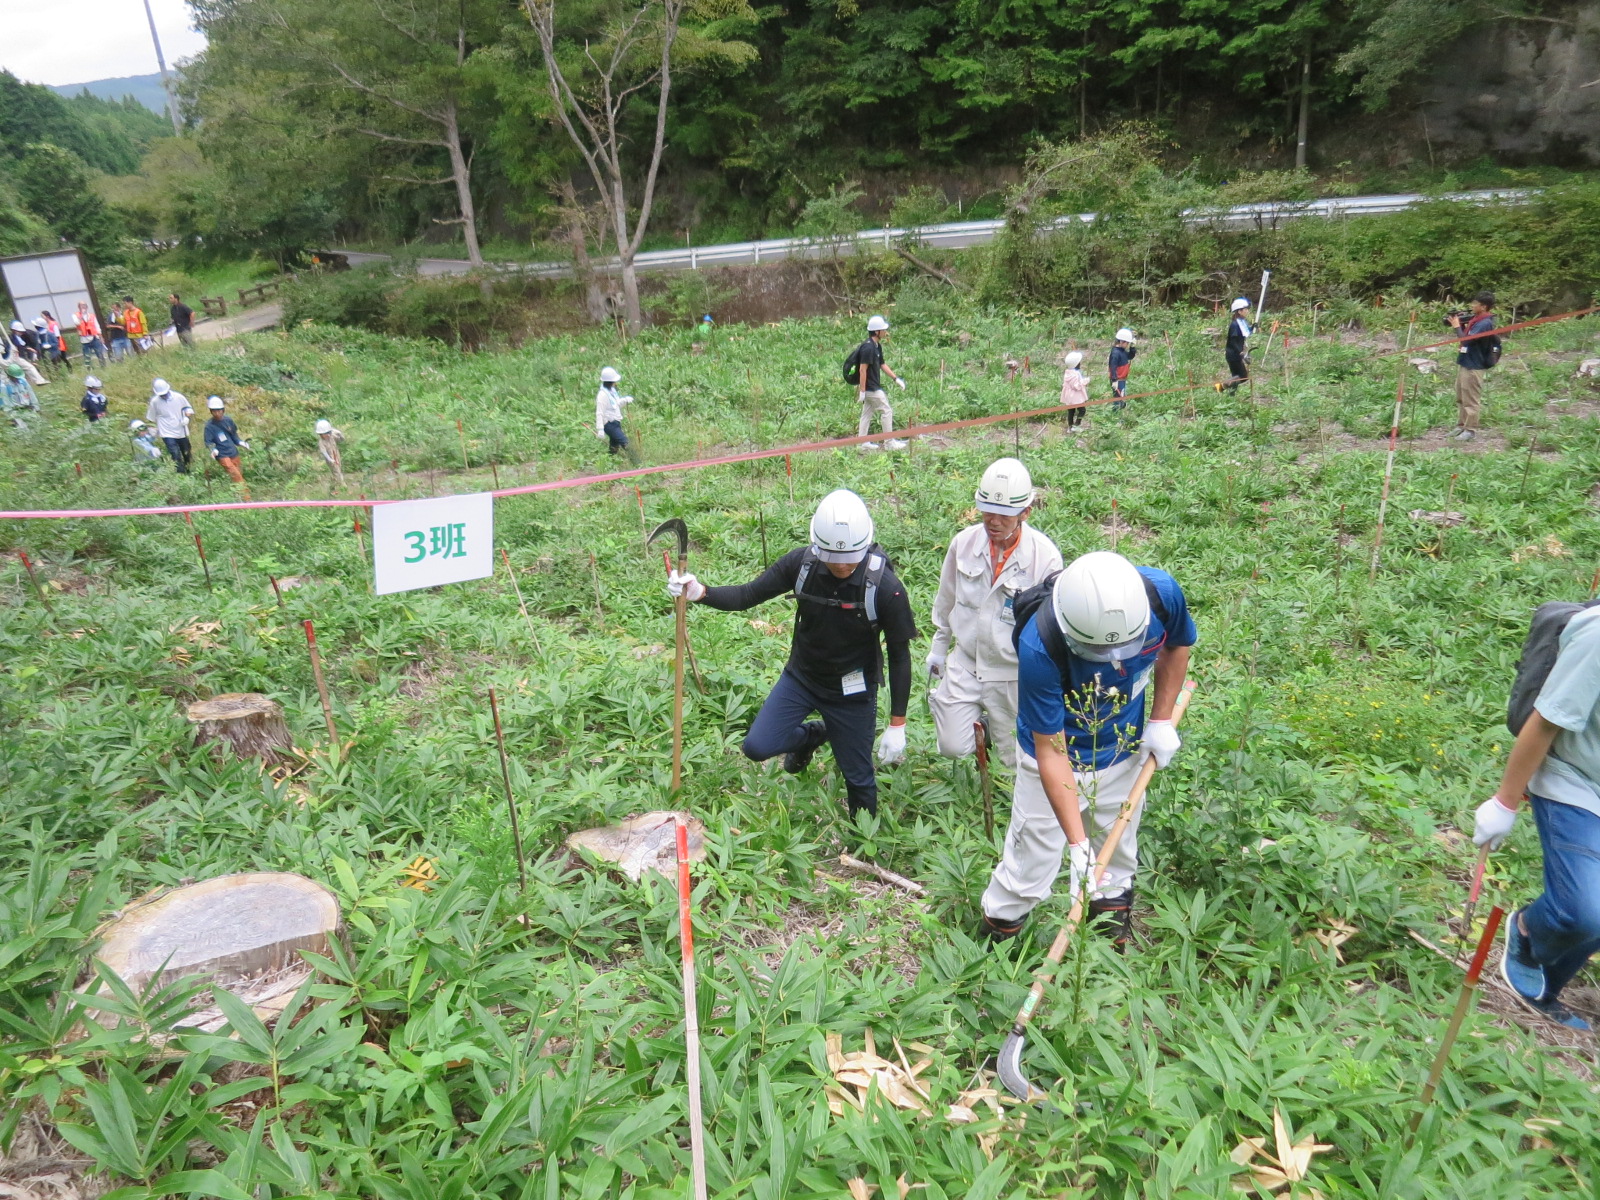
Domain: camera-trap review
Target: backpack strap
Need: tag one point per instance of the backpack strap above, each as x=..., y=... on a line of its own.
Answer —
x=877, y=563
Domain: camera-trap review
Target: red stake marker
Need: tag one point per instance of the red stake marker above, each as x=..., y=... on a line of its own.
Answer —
x=199, y=549
x=322, y=687
x=1463, y=1002
x=691, y=1013
x=37, y=586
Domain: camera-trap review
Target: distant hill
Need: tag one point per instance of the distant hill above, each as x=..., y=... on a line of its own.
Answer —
x=146, y=89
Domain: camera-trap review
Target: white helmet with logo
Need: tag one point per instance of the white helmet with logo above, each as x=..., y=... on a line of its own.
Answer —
x=135, y=425
x=1124, y=334
x=1238, y=304
x=324, y=426
x=1006, y=488
x=841, y=529
x=160, y=387
x=214, y=402
x=91, y=381
x=1102, y=606
x=609, y=375
x=876, y=324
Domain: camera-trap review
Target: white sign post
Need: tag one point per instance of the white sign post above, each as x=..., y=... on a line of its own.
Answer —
x=422, y=543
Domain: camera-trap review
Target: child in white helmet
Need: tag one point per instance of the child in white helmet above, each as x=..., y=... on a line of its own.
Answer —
x=608, y=414
x=868, y=366
x=145, y=448
x=973, y=659
x=1074, y=390
x=94, y=399
x=1118, y=365
x=328, y=439
x=1239, y=331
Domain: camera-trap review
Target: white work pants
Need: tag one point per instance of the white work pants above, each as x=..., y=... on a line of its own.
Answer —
x=960, y=699
x=875, y=402
x=1035, y=841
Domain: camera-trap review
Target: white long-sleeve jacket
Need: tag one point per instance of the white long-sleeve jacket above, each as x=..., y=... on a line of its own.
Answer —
x=608, y=407
x=972, y=612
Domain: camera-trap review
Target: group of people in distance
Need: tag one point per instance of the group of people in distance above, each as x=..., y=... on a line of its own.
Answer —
x=1071, y=672
x=125, y=331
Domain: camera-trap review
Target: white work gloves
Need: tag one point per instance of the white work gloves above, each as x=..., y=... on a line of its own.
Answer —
x=900, y=383
x=861, y=396
x=1161, y=742
x=1080, y=858
x=892, y=745
x=1494, y=822
x=935, y=664
x=685, y=585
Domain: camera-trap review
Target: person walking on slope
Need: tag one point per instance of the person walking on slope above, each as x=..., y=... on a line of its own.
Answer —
x=222, y=439
x=15, y=390
x=869, y=369
x=328, y=439
x=848, y=598
x=138, y=328
x=1122, y=352
x=145, y=450
x=52, y=342
x=169, y=412
x=90, y=340
x=182, y=319
x=973, y=658
x=608, y=414
x=1101, y=660
x=1239, y=331
x=1555, y=765
x=94, y=399
x=1074, y=390
x=117, y=333
x=22, y=347
x=1480, y=351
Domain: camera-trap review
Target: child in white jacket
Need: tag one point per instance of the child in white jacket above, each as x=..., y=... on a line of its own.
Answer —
x=1074, y=390
x=608, y=412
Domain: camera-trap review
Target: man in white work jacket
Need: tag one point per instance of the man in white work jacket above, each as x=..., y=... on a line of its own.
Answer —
x=973, y=658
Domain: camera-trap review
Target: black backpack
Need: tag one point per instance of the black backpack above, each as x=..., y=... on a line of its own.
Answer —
x=877, y=564
x=1538, y=657
x=1036, y=600
x=852, y=367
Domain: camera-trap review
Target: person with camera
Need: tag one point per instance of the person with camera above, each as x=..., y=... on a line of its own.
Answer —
x=1480, y=350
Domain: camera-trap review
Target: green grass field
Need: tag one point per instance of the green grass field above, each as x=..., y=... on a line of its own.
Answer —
x=480, y=1041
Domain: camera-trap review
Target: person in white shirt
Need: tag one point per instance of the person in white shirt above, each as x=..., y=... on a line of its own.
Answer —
x=608, y=414
x=1074, y=390
x=169, y=412
x=973, y=659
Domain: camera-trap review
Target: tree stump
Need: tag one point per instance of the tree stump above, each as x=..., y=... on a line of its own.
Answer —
x=250, y=724
x=643, y=843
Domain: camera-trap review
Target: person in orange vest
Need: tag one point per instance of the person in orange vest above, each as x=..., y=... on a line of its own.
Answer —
x=90, y=340
x=138, y=329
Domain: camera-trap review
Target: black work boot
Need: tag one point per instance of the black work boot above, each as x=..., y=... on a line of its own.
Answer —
x=798, y=760
x=1113, y=917
x=997, y=930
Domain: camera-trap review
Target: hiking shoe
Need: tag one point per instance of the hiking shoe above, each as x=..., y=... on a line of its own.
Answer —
x=1113, y=917
x=1554, y=1010
x=1466, y=435
x=798, y=760
x=997, y=930
x=1521, y=971
x=870, y=446
x=895, y=444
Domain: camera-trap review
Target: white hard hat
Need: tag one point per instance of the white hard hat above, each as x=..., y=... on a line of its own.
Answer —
x=18, y=325
x=159, y=387
x=136, y=424
x=214, y=402
x=609, y=375
x=1074, y=358
x=1102, y=606
x=324, y=426
x=38, y=322
x=1124, y=334
x=874, y=324
x=91, y=381
x=1006, y=489
x=841, y=529
x=1241, y=302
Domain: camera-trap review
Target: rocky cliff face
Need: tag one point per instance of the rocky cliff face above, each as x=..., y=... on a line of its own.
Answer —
x=1521, y=91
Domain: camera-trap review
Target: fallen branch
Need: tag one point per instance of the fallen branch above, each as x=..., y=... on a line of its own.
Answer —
x=930, y=269
x=887, y=876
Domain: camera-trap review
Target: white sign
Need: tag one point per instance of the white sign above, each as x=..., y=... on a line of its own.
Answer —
x=422, y=543
x=54, y=282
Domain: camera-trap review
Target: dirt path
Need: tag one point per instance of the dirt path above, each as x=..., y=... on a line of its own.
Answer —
x=249, y=321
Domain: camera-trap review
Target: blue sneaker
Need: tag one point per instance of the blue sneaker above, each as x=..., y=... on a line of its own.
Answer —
x=1521, y=971
x=1554, y=1010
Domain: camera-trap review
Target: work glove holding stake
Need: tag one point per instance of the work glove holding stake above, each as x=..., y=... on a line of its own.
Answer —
x=1494, y=822
x=685, y=585
x=1080, y=858
x=935, y=665
x=1161, y=742
x=892, y=745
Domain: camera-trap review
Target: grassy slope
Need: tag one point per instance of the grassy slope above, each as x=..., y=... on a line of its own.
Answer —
x=1347, y=725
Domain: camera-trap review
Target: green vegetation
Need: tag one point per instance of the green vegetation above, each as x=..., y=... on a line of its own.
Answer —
x=474, y=1041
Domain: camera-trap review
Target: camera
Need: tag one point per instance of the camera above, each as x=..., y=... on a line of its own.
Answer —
x=1460, y=314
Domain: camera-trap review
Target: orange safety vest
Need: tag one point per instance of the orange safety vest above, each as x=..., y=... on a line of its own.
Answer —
x=133, y=320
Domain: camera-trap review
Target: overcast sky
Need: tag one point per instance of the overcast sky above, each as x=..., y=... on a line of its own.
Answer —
x=91, y=39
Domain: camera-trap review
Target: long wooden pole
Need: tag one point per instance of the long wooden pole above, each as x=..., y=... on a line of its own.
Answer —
x=1469, y=985
x=517, y=587
x=199, y=549
x=37, y=586
x=691, y=1008
x=322, y=686
x=511, y=802
x=1388, y=471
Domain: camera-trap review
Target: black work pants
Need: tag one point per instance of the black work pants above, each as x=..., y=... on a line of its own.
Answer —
x=1237, y=367
x=852, y=721
x=178, y=448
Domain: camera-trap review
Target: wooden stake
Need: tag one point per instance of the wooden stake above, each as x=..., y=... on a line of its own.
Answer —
x=461, y=433
x=1388, y=472
x=691, y=1010
x=1451, y=490
x=1469, y=985
x=1410, y=329
x=273, y=579
x=37, y=586
x=644, y=529
x=1172, y=364
x=1533, y=442
x=788, y=467
x=517, y=588
x=1114, y=529
x=494, y=468
x=511, y=803
x=322, y=686
x=199, y=549
x=594, y=573
x=761, y=523
x=361, y=537
x=883, y=873
x=1594, y=585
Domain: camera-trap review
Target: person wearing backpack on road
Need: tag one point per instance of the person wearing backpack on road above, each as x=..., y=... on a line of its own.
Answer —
x=1555, y=764
x=1092, y=642
x=973, y=660
x=1479, y=352
x=865, y=368
x=849, y=599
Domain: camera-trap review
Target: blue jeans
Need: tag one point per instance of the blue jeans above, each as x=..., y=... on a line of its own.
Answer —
x=851, y=721
x=121, y=348
x=1563, y=925
x=615, y=439
x=92, y=346
x=178, y=448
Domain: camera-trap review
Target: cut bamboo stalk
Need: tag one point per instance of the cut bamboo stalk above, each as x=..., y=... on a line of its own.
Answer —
x=1469, y=986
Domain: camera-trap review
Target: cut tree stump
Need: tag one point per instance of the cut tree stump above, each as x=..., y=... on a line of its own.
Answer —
x=240, y=932
x=250, y=724
x=643, y=843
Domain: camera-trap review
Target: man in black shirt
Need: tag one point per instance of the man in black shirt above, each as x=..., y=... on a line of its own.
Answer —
x=1239, y=331
x=870, y=369
x=847, y=595
x=182, y=319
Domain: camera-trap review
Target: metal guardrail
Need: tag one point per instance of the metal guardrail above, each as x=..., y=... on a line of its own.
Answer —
x=976, y=233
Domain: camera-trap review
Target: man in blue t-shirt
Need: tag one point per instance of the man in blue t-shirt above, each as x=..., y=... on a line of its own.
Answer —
x=1478, y=353
x=1118, y=631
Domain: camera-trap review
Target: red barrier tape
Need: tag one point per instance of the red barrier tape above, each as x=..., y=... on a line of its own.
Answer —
x=722, y=460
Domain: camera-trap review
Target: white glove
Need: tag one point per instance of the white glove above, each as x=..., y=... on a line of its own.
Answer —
x=1494, y=822
x=244, y=445
x=900, y=383
x=1080, y=858
x=624, y=399
x=1161, y=742
x=935, y=664
x=685, y=585
x=861, y=396
x=892, y=745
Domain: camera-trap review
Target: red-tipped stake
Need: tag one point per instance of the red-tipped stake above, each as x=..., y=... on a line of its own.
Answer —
x=1463, y=1003
x=322, y=686
x=517, y=587
x=1388, y=473
x=199, y=549
x=361, y=538
x=461, y=433
x=788, y=467
x=276, y=591
x=691, y=1014
x=1472, y=895
x=37, y=586
x=511, y=804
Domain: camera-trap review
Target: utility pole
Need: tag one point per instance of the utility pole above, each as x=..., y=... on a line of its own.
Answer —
x=1305, y=111
x=166, y=81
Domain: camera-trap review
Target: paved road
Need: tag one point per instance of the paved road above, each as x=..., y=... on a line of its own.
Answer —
x=250, y=320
